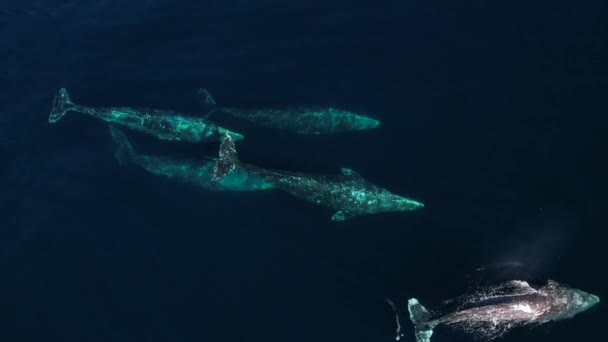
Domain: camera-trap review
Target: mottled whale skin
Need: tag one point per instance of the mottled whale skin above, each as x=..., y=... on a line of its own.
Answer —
x=347, y=193
x=198, y=173
x=305, y=120
x=489, y=313
x=163, y=124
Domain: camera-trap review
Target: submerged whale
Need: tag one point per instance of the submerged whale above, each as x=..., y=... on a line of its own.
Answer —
x=199, y=173
x=163, y=124
x=489, y=313
x=349, y=194
x=300, y=119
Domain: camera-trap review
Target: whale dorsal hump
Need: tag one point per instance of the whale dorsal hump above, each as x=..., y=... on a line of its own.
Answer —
x=349, y=172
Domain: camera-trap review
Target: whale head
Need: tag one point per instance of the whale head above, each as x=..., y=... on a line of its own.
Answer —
x=386, y=201
x=365, y=122
x=571, y=301
x=342, y=120
x=581, y=301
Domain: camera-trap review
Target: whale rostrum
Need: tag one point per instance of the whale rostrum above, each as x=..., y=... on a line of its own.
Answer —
x=163, y=124
x=348, y=193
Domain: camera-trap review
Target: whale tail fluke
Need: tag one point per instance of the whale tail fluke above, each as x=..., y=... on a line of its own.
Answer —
x=61, y=105
x=423, y=328
x=124, y=152
x=228, y=159
x=206, y=101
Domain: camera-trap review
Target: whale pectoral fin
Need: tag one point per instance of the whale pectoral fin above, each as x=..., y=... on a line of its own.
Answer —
x=341, y=215
x=349, y=172
x=338, y=216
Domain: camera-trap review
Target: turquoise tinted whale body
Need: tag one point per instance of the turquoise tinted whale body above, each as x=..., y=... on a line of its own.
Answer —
x=313, y=120
x=192, y=172
x=349, y=194
x=490, y=312
x=163, y=124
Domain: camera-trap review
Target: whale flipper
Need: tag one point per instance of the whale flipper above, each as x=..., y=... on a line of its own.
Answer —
x=228, y=159
x=342, y=215
x=349, y=172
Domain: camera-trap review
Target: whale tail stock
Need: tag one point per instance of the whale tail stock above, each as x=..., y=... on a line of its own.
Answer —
x=61, y=105
x=423, y=327
x=228, y=159
x=124, y=152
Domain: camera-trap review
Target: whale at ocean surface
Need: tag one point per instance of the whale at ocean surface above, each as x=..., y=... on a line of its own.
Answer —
x=348, y=193
x=163, y=124
x=490, y=312
x=305, y=120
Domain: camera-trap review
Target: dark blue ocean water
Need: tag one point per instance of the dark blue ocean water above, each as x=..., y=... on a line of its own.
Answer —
x=494, y=115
